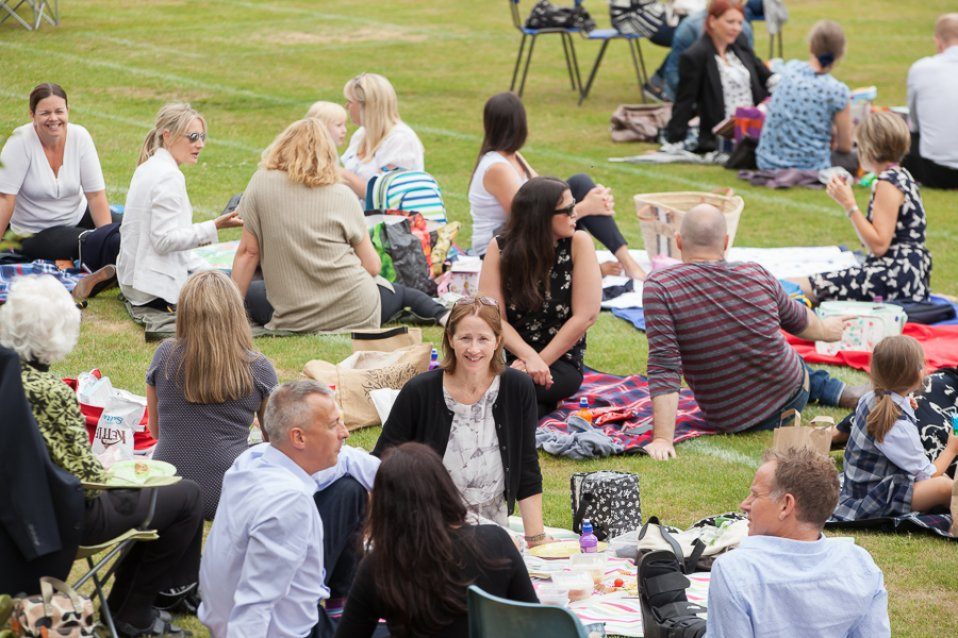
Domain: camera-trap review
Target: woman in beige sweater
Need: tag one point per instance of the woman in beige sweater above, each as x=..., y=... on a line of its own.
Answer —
x=305, y=229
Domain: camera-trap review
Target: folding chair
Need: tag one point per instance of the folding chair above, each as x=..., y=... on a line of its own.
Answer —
x=114, y=549
x=635, y=48
x=48, y=10
x=494, y=617
x=568, y=49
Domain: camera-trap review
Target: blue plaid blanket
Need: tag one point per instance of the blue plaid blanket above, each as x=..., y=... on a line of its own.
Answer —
x=9, y=272
x=914, y=522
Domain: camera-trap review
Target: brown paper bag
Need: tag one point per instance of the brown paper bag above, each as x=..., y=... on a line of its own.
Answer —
x=364, y=371
x=386, y=339
x=792, y=434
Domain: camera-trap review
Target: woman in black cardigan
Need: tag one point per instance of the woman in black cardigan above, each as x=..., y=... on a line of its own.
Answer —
x=702, y=90
x=479, y=416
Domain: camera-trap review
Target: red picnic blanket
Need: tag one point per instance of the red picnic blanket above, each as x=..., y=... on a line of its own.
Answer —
x=939, y=342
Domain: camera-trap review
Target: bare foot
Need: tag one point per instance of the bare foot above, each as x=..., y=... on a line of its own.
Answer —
x=610, y=268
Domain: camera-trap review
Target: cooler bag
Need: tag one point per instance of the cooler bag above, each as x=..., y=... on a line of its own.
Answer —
x=873, y=322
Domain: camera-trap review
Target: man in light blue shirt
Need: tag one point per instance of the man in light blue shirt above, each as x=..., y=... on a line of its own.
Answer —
x=286, y=506
x=786, y=578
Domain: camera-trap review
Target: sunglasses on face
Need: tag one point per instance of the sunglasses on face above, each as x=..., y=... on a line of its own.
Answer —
x=485, y=301
x=566, y=210
x=195, y=137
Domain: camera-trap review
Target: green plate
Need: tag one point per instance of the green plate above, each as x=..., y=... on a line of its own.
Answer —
x=141, y=473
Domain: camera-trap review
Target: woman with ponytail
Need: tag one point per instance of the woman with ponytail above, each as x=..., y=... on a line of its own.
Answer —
x=158, y=232
x=809, y=123
x=886, y=470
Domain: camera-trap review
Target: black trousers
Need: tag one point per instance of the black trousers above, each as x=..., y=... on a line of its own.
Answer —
x=566, y=380
x=392, y=303
x=602, y=227
x=149, y=567
x=927, y=172
x=59, y=242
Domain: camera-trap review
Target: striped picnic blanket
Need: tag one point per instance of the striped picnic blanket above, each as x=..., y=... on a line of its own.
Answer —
x=10, y=272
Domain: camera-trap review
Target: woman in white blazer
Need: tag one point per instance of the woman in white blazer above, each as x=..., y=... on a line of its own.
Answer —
x=158, y=232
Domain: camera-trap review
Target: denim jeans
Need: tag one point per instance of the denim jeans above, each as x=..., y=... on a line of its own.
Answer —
x=822, y=389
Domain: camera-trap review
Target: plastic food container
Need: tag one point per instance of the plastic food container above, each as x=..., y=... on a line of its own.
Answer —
x=553, y=595
x=624, y=547
x=578, y=583
x=592, y=563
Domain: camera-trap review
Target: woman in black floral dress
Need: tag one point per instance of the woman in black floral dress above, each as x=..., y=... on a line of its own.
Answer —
x=898, y=265
x=546, y=276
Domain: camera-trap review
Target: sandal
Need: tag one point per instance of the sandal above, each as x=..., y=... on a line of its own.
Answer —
x=162, y=626
x=666, y=611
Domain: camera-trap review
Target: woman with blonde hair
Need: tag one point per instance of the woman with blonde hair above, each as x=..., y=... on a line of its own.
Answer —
x=157, y=232
x=306, y=231
x=333, y=116
x=204, y=387
x=383, y=142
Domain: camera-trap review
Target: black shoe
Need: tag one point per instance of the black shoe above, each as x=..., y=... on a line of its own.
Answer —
x=94, y=283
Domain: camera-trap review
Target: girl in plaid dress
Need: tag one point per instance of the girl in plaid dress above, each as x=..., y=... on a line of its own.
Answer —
x=886, y=470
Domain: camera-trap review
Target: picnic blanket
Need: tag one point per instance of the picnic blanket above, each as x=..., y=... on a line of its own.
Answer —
x=937, y=524
x=10, y=272
x=219, y=256
x=159, y=325
x=622, y=419
x=939, y=342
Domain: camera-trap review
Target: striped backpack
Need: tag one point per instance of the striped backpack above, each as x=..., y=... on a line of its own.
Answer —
x=412, y=191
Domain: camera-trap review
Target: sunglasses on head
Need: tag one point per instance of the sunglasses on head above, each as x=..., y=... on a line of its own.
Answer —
x=195, y=137
x=485, y=301
x=566, y=210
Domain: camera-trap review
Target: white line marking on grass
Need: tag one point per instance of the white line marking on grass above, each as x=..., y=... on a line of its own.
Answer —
x=146, y=46
x=716, y=451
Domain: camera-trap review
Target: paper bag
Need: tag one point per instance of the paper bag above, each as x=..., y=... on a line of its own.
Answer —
x=361, y=372
x=798, y=436
x=387, y=339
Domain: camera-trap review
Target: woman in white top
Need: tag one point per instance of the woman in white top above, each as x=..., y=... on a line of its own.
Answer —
x=383, y=142
x=51, y=183
x=158, y=232
x=501, y=170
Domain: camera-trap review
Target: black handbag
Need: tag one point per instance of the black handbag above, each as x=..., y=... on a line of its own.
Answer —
x=545, y=15
x=610, y=500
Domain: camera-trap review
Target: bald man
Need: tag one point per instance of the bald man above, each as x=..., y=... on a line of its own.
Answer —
x=718, y=324
x=932, y=101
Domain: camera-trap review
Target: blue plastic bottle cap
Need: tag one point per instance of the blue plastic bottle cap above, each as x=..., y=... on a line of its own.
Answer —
x=586, y=527
x=583, y=402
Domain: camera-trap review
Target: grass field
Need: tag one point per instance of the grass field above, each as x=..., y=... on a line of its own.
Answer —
x=253, y=67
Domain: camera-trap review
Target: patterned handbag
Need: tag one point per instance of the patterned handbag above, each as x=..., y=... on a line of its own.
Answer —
x=58, y=611
x=609, y=499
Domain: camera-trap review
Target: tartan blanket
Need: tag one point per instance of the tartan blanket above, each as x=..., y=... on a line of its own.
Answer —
x=913, y=522
x=622, y=413
x=9, y=272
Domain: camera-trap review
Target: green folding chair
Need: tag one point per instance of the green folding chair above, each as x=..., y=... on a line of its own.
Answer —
x=494, y=617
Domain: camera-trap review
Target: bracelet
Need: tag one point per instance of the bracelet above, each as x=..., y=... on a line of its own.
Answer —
x=536, y=538
x=851, y=211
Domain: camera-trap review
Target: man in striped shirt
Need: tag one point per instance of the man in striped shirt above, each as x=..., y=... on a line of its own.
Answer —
x=719, y=323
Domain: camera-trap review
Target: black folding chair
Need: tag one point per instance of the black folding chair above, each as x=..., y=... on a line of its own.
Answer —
x=635, y=49
x=568, y=49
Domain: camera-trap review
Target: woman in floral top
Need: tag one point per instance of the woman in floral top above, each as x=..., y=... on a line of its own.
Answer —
x=41, y=324
x=545, y=274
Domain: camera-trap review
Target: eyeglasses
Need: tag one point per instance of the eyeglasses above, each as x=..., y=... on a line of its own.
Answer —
x=566, y=210
x=485, y=301
x=195, y=137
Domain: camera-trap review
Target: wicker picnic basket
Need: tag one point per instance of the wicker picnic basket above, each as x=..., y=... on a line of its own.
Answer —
x=660, y=215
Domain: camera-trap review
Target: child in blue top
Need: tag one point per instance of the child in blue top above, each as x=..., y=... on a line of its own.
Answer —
x=886, y=470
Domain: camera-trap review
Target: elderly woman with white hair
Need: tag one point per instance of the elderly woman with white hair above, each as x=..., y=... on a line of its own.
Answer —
x=41, y=323
x=383, y=142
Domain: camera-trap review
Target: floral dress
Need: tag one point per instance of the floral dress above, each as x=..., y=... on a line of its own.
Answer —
x=537, y=327
x=904, y=271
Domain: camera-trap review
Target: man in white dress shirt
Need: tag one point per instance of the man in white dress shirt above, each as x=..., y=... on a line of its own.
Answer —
x=287, y=521
x=932, y=100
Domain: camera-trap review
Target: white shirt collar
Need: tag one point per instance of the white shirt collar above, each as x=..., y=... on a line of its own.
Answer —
x=164, y=155
x=277, y=457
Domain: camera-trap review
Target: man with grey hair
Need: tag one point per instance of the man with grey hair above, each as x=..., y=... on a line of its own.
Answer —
x=718, y=323
x=932, y=99
x=289, y=514
x=785, y=578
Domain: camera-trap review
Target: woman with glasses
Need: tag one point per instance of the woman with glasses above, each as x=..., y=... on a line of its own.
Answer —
x=479, y=416
x=501, y=169
x=305, y=230
x=383, y=142
x=158, y=232
x=544, y=273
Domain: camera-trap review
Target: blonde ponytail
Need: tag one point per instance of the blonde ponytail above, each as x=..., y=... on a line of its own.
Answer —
x=882, y=416
x=175, y=118
x=897, y=366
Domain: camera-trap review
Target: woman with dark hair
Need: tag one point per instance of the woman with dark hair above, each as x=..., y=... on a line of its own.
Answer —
x=545, y=274
x=479, y=416
x=51, y=183
x=501, y=169
x=717, y=74
x=424, y=554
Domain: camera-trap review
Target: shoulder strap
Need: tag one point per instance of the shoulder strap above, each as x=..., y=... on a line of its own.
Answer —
x=585, y=499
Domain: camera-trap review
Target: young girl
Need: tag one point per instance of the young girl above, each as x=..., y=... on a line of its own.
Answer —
x=333, y=116
x=886, y=470
x=898, y=265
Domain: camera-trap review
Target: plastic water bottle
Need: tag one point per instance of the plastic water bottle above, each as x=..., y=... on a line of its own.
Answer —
x=954, y=424
x=434, y=359
x=584, y=412
x=588, y=543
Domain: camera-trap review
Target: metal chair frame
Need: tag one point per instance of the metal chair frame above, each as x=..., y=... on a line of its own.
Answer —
x=635, y=49
x=48, y=10
x=568, y=50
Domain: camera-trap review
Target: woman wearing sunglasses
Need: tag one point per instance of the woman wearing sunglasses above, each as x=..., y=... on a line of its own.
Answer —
x=545, y=274
x=158, y=232
x=479, y=416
